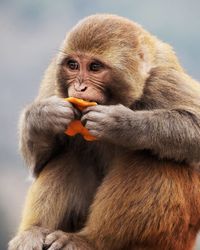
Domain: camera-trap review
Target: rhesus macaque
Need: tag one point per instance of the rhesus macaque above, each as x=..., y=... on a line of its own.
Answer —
x=138, y=185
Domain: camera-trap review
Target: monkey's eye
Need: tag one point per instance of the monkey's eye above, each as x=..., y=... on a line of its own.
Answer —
x=72, y=64
x=95, y=66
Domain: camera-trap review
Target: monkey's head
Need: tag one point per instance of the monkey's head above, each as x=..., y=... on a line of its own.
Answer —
x=103, y=59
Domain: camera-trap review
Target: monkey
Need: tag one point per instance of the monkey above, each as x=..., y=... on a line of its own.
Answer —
x=137, y=186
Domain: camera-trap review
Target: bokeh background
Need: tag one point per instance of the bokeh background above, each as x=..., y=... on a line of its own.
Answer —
x=31, y=32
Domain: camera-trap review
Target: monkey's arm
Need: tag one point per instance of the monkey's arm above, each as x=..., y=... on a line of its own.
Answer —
x=172, y=134
x=42, y=127
x=45, y=207
x=170, y=125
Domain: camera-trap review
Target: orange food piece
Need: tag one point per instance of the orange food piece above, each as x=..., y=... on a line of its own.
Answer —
x=76, y=127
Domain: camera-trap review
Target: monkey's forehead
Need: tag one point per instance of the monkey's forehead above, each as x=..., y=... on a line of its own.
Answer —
x=103, y=32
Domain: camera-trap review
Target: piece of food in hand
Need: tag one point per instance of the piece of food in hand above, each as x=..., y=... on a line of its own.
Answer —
x=76, y=127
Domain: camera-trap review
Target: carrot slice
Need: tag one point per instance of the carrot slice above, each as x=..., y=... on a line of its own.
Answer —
x=80, y=103
x=76, y=127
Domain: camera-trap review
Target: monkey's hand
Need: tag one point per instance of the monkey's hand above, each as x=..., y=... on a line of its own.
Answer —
x=109, y=123
x=164, y=132
x=66, y=241
x=29, y=239
x=51, y=115
x=42, y=125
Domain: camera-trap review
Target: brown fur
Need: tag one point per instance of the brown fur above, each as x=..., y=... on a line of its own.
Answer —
x=138, y=190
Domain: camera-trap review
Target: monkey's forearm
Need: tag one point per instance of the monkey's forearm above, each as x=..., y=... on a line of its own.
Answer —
x=37, y=150
x=37, y=144
x=169, y=133
x=35, y=147
x=173, y=134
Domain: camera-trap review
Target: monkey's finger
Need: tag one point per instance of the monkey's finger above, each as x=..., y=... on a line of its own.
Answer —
x=64, y=110
x=53, y=237
x=50, y=239
x=91, y=125
x=67, y=103
x=97, y=108
x=75, y=112
x=60, y=125
x=61, y=241
x=60, y=121
x=94, y=133
x=57, y=245
x=92, y=116
x=59, y=101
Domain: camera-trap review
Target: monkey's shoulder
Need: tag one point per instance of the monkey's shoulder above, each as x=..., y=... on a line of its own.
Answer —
x=168, y=88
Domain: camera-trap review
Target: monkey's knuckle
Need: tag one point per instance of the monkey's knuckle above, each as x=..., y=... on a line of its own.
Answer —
x=97, y=134
x=86, y=117
x=71, y=114
x=89, y=125
x=67, y=104
x=50, y=238
x=44, y=110
x=57, y=245
x=120, y=105
x=106, y=122
x=67, y=121
x=55, y=235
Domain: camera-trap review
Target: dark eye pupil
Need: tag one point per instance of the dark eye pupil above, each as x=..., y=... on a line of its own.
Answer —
x=95, y=66
x=72, y=64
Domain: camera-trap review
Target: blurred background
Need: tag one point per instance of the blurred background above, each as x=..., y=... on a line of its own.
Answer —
x=30, y=35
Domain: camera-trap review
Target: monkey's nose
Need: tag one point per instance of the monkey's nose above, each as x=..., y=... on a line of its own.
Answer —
x=80, y=87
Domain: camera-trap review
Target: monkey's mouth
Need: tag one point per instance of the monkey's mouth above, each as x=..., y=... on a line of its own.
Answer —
x=98, y=100
x=90, y=100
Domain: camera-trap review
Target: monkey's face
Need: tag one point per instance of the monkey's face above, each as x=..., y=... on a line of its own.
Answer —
x=86, y=77
x=103, y=60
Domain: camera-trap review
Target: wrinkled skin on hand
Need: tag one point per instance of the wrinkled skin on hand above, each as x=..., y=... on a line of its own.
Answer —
x=32, y=239
x=52, y=114
x=60, y=240
x=107, y=122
